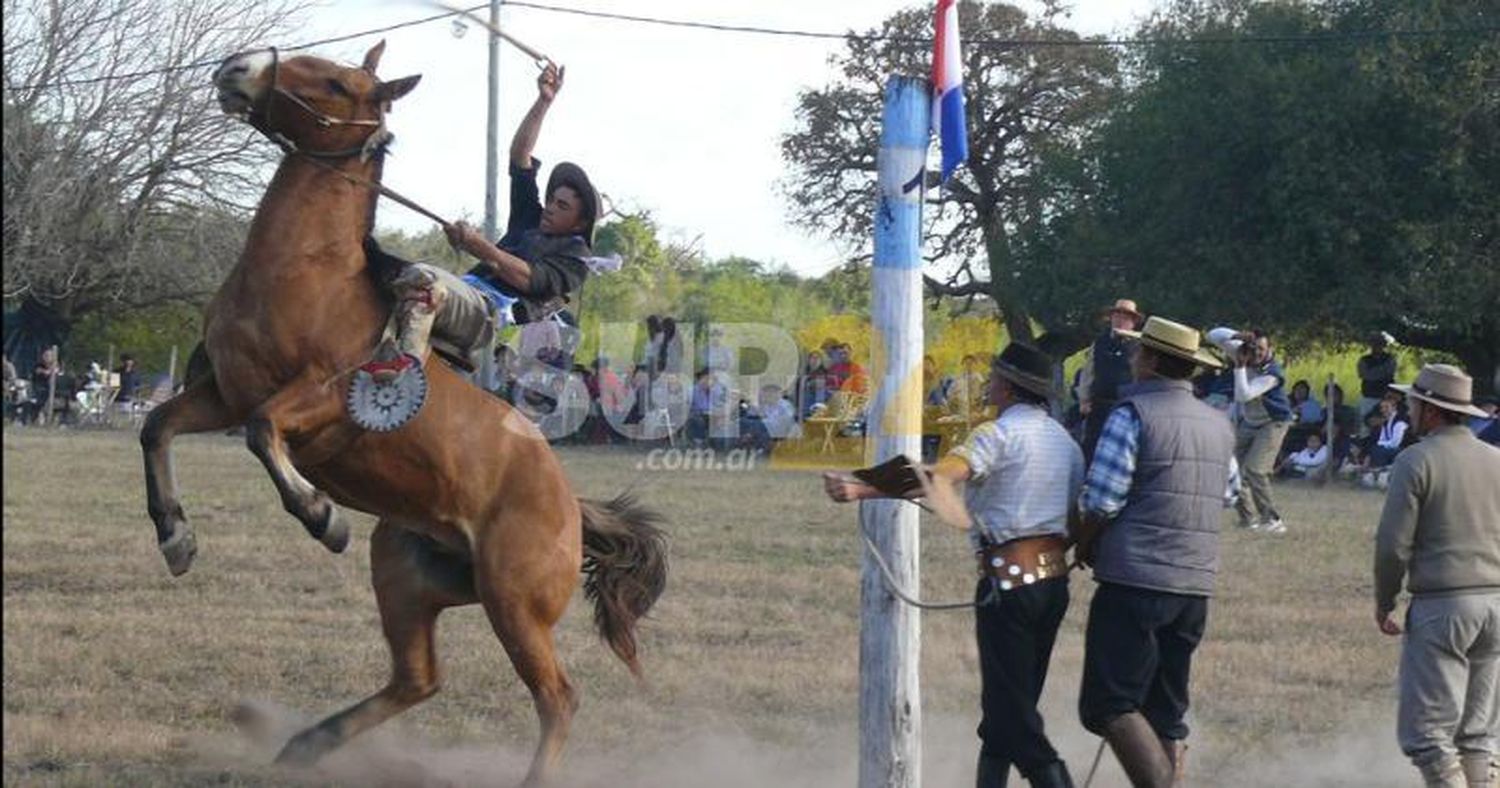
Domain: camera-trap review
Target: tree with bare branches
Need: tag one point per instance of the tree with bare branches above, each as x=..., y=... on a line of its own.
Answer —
x=1028, y=108
x=124, y=186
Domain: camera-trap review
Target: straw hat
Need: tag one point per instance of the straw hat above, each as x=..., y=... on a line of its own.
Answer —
x=1026, y=367
x=1126, y=306
x=1175, y=339
x=1445, y=386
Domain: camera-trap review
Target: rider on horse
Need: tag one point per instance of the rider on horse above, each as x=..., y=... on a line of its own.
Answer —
x=524, y=277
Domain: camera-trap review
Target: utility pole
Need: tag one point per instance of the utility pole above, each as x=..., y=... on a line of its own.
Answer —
x=492, y=131
x=890, y=634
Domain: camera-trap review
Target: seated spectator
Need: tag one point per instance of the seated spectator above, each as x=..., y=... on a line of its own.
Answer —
x=770, y=419
x=1390, y=436
x=707, y=402
x=934, y=383
x=844, y=373
x=1311, y=462
x=813, y=385
x=1305, y=407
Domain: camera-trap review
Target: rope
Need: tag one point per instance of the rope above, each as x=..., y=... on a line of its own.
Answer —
x=894, y=588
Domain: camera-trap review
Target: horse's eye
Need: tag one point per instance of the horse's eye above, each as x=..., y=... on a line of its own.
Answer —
x=337, y=87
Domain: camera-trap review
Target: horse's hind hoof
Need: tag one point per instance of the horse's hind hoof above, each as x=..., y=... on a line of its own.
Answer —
x=179, y=550
x=306, y=748
x=335, y=531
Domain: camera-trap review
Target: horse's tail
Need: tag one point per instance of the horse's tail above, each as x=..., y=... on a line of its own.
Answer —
x=625, y=559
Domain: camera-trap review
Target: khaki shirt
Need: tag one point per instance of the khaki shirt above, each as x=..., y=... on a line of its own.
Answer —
x=1441, y=522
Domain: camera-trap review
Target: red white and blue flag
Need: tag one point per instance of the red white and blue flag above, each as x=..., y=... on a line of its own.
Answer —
x=948, y=90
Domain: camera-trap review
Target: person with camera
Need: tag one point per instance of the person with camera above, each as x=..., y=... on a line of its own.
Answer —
x=1262, y=416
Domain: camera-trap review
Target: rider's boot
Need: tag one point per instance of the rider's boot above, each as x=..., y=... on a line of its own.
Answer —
x=419, y=297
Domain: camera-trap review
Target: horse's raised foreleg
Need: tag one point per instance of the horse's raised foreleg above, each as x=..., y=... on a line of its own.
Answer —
x=198, y=408
x=297, y=410
x=414, y=580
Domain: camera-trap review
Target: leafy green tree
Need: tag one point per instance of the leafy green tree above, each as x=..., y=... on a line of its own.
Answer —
x=1325, y=188
x=1025, y=106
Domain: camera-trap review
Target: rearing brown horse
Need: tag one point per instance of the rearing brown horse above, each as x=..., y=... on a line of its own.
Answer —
x=473, y=504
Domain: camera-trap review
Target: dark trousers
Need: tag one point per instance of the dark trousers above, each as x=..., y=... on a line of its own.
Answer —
x=1138, y=652
x=1015, y=634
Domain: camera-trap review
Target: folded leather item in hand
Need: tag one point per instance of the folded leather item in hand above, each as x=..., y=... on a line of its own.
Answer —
x=896, y=477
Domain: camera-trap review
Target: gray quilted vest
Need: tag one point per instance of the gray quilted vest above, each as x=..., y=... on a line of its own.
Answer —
x=1167, y=536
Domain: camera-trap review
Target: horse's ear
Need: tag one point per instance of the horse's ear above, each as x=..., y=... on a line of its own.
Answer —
x=396, y=88
x=372, y=58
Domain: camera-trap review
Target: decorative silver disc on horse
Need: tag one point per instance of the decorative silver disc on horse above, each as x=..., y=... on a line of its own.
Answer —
x=382, y=407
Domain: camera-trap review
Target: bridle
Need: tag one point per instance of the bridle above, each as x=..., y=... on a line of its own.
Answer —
x=373, y=143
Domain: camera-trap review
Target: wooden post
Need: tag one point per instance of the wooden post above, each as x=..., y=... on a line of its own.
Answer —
x=172, y=369
x=890, y=701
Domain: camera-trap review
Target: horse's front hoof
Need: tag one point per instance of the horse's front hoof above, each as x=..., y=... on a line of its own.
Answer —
x=180, y=549
x=335, y=531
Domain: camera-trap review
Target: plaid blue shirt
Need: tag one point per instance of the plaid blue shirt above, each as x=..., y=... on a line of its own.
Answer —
x=1113, y=469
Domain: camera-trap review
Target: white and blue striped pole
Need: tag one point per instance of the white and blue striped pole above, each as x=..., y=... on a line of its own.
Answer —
x=890, y=701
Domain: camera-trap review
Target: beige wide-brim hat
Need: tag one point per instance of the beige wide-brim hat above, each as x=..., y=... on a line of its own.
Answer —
x=1445, y=386
x=1127, y=306
x=1174, y=339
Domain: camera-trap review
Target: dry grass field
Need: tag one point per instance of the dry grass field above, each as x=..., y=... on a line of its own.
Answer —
x=116, y=673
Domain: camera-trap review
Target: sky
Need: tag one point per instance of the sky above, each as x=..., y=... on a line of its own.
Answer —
x=683, y=123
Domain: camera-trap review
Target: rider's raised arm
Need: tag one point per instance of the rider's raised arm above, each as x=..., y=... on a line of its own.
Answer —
x=548, y=83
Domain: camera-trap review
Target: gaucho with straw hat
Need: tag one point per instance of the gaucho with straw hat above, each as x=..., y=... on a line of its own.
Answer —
x=1151, y=505
x=1439, y=534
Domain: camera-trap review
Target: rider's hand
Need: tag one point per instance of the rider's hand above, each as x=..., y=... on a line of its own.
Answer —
x=550, y=81
x=461, y=236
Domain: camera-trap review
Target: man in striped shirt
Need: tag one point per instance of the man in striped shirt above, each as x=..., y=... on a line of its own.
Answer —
x=1152, y=503
x=1022, y=473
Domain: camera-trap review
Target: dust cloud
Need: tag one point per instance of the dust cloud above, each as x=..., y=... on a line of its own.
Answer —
x=1363, y=754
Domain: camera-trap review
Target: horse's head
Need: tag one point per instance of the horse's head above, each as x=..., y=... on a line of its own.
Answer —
x=308, y=103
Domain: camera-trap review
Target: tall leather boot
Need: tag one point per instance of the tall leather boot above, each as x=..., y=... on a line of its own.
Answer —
x=1479, y=769
x=992, y=772
x=1053, y=775
x=1139, y=751
x=1177, y=754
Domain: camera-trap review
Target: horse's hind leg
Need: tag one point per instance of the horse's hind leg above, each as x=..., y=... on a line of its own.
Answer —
x=299, y=409
x=198, y=408
x=413, y=582
x=522, y=610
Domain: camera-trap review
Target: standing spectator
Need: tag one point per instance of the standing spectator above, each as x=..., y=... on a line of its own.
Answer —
x=1262, y=415
x=45, y=378
x=1440, y=533
x=1105, y=371
x=1021, y=473
x=1377, y=371
x=669, y=359
x=130, y=380
x=1151, y=504
x=719, y=358
x=651, y=356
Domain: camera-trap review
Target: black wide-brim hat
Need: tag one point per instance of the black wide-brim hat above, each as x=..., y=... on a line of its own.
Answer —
x=1025, y=366
x=571, y=175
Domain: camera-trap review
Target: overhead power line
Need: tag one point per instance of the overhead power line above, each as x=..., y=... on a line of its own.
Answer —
x=982, y=42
